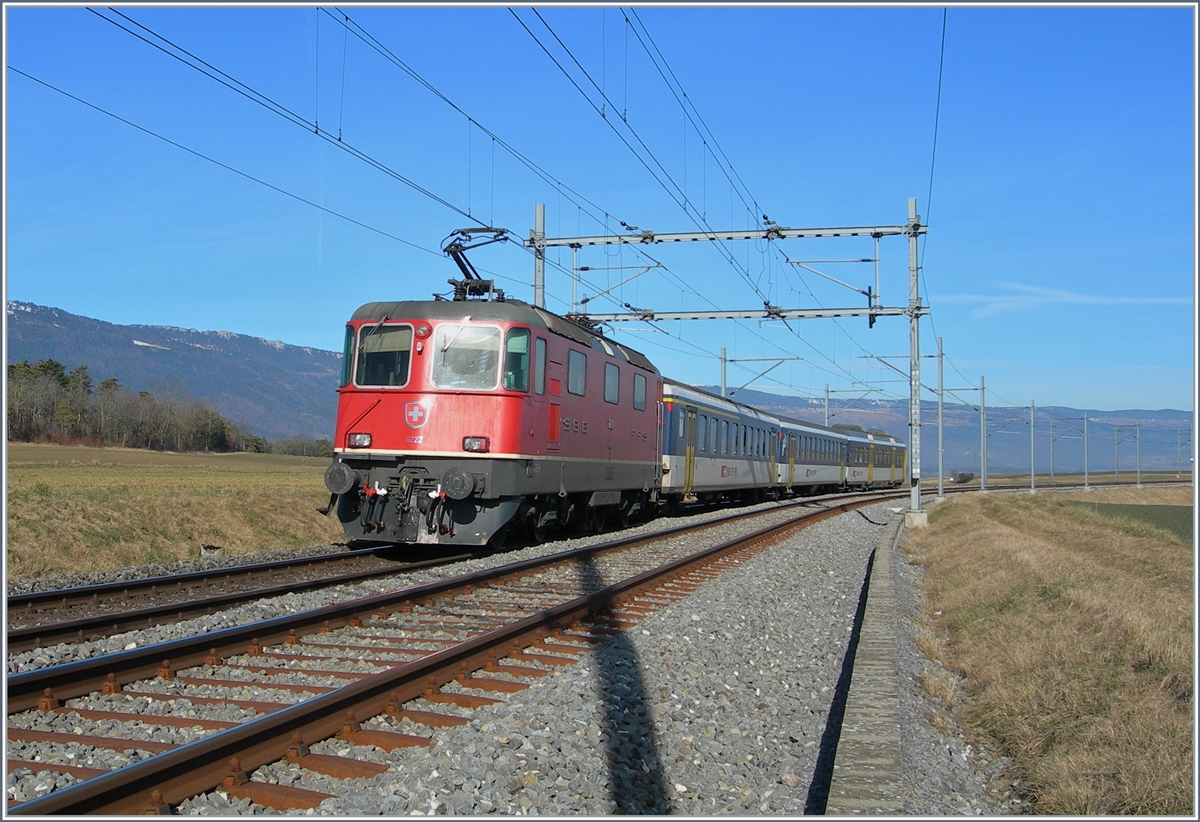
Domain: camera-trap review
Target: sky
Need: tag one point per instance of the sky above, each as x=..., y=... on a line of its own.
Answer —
x=1051, y=152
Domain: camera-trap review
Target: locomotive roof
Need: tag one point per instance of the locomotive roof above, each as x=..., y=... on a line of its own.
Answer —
x=508, y=311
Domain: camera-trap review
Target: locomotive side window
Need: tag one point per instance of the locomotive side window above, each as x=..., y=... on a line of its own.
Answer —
x=612, y=383
x=516, y=360
x=576, y=372
x=466, y=356
x=639, y=392
x=383, y=354
x=347, y=356
x=539, y=367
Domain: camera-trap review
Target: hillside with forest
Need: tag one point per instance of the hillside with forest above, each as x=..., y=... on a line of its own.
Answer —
x=265, y=387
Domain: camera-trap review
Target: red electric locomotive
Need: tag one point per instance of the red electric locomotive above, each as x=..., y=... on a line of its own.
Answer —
x=459, y=420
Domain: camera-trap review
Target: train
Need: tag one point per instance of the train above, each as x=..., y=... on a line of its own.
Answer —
x=463, y=421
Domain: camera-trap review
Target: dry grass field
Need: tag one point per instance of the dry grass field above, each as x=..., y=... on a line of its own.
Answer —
x=73, y=508
x=1074, y=634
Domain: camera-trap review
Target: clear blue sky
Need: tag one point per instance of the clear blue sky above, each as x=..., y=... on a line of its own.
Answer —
x=1059, y=263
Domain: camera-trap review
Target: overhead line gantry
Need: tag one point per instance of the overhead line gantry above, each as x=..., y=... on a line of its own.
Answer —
x=539, y=242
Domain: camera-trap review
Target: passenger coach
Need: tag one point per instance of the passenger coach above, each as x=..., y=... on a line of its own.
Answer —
x=715, y=448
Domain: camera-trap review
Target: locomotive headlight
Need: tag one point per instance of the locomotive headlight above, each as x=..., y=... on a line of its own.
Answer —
x=358, y=440
x=477, y=445
x=422, y=330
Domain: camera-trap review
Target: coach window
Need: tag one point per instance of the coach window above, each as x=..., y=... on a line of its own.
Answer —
x=712, y=436
x=701, y=422
x=639, y=392
x=383, y=354
x=516, y=360
x=612, y=383
x=539, y=366
x=576, y=372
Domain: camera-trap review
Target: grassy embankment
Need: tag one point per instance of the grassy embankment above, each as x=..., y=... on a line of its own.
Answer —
x=1071, y=625
x=72, y=508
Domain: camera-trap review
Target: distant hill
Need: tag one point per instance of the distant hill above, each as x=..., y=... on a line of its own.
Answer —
x=277, y=390
x=270, y=388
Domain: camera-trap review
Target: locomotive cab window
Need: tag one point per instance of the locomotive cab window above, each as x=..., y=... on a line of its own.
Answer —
x=384, y=352
x=516, y=360
x=466, y=356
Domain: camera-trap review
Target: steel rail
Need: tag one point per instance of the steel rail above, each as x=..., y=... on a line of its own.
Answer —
x=102, y=625
x=171, y=777
x=61, y=597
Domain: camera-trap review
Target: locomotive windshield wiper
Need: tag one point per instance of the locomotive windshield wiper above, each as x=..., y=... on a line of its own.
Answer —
x=374, y=328
x=461, y=328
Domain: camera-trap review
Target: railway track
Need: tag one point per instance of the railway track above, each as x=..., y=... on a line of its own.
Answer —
x=370, y=667
x=75, y=615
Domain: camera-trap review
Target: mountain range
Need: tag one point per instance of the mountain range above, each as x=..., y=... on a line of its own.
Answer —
x=278, y=390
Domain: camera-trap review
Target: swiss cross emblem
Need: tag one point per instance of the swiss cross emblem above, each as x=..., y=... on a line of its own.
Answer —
x=415, y=414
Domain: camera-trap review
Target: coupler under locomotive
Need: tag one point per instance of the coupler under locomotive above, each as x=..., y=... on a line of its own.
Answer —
x=431, y=501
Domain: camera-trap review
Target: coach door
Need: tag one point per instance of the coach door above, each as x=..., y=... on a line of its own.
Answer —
x=689, y=452
x=871, y=463
x=773, y=447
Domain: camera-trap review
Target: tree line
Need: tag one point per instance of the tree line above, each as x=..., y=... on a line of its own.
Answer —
x=46, y=403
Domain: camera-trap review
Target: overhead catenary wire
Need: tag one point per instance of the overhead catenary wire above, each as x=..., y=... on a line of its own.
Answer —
x=937, y=116
x=678, y=195
x=225, y=166
x=731, y=174
x=199, y=65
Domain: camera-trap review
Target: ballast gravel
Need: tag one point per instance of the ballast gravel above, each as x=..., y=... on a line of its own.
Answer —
x=717, y=704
